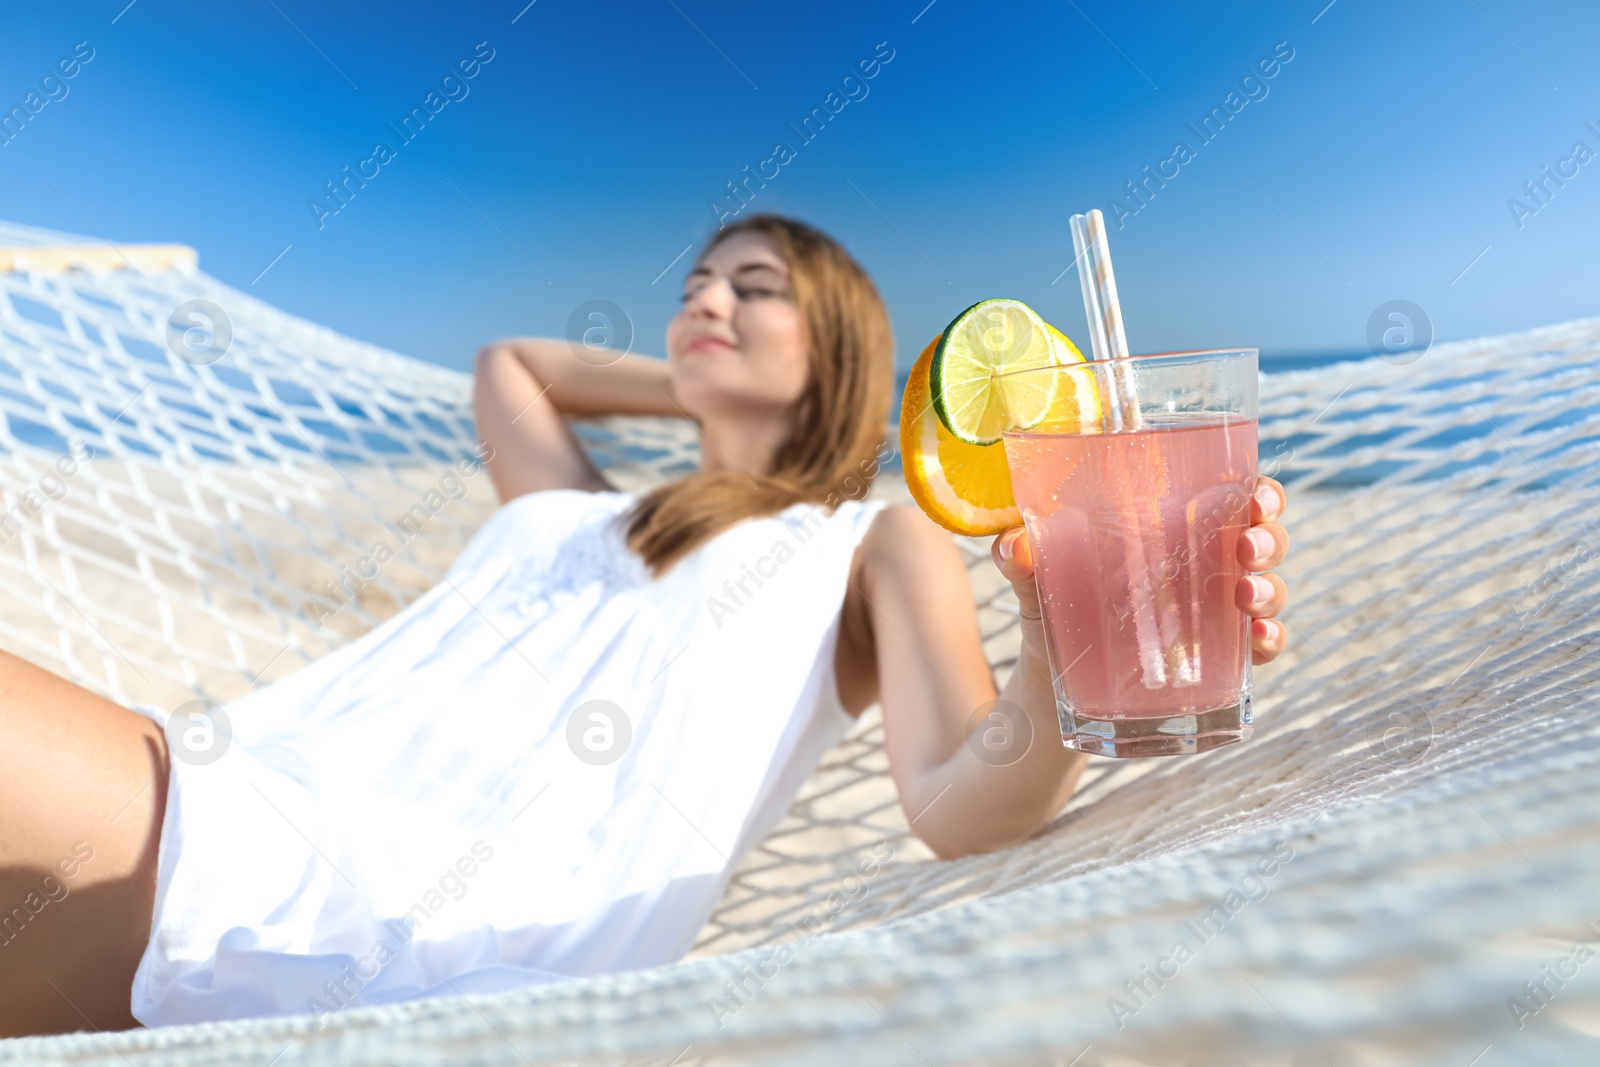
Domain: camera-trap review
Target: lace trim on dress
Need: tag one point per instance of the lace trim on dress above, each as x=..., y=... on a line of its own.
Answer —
x=589, y=555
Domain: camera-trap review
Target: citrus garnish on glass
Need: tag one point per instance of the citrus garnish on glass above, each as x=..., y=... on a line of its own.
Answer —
x=957, y=405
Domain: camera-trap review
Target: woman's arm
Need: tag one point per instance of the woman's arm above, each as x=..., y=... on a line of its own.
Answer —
x=934, y=681
x=937, y=691
x=525, y=387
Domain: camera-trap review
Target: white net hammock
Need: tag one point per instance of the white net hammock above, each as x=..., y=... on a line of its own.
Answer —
x=1420, y=783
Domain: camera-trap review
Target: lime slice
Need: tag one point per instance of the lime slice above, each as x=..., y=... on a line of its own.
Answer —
x=991, y=338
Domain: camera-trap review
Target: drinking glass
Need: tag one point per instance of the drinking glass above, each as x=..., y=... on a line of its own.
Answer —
x=1135, y=522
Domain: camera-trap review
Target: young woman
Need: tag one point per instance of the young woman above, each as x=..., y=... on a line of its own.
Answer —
x=549, y=764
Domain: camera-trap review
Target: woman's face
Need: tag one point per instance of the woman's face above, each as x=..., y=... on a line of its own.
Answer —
x=738, y=345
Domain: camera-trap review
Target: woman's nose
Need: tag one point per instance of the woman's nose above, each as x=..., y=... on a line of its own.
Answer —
x=715, y=299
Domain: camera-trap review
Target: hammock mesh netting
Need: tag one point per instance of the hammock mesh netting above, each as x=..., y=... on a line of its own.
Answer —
x=1398, y=867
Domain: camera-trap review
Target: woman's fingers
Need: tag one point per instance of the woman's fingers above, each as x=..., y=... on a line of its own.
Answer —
x=1269, y=502
x=1266, y=543
x=1268, y=637
x=1261, y=596
x=1263, y=546
x=1013, y=554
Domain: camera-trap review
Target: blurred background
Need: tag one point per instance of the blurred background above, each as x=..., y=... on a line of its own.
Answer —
x=1335, y=157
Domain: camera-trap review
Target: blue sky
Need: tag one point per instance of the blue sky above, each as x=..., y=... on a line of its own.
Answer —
x=584, y=156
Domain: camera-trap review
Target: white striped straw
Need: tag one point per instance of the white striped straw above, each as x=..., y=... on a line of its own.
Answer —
x=1099, y=344
x=1105, y=284
x=1155, y=620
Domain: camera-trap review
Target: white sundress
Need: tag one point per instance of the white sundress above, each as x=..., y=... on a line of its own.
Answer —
x=442, y=806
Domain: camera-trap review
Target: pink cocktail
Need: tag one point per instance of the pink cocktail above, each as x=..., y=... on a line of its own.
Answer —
x=1136, y=536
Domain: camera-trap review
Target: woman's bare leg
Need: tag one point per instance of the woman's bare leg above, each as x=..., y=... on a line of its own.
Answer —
x=83, y=787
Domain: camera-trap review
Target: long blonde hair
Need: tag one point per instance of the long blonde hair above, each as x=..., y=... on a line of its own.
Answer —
x=841, y=420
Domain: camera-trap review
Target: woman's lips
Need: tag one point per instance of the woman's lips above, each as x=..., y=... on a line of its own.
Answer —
x=708, y=344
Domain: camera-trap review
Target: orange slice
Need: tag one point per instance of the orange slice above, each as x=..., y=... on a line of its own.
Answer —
x=966, y=488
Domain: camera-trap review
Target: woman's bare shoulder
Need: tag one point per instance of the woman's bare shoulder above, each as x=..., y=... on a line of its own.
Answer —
x=903, y=543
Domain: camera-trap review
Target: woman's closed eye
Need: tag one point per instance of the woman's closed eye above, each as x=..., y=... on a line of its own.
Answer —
x=743, y=292
x=757, y=292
